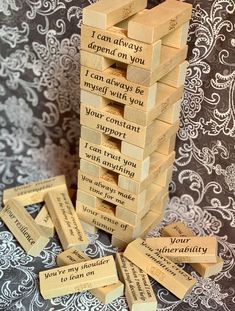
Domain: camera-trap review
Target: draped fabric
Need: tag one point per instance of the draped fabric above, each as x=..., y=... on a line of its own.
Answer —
x=39, y=138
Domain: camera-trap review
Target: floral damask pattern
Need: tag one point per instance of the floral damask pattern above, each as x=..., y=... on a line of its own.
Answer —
x=39, y=135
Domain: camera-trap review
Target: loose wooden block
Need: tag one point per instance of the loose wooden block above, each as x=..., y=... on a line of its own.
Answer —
x=111, y=83
x=114, y=44
x=120, y=244
x=178, y=37
x=157, y=169
x=65, y=219
x=29, y=235
x=172, y=114
x=70, y=256
x=103, y=15
x=186, y=249
x=138, y=290
x=204, y=269
x=176, y=77
x=106, y=188
x=160, y=268
x=43, y=219
x=93, y=99
x=159, y=21
x=105, y=219
x=95, y=61
x=35, y=191
x=170, y=58
x=166, y=97
x=78, y=277
x=107, y=294
x=108, y=156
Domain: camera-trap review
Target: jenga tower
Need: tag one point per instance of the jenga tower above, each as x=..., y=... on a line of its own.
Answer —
x=132, y=74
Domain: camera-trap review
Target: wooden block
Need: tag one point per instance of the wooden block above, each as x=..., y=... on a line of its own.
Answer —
x=43, y=219
x=111, y=158
x=164, y=133
x=166, y=97
x=65, y=219
x=170, y=58
x=179, y=229
x=29, y=235
x=88, y=199
x=186, y=249
x=159, y=21
x=120, y=244
x=106, y=188
x=111, y=83
x=95, y=61
x=151, y=220
x=70, y=256
x=167, y=146
x=178, y=37
x=77, y=277
x=164, y=179
x=157, y=169
x=176, y=77
x=93, y=99
x=138, y=290
x=105, y=219
x=103, y=15
x=88, y=228
x=163, y=270
x=114, y=44
x=129, y=216
x=91, y=168
x=157, y=202
x=107, y=294
x=172, y=114
x=35, y=191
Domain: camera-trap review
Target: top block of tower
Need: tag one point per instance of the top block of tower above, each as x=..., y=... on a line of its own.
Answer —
x=105, y=13
x=151, y=25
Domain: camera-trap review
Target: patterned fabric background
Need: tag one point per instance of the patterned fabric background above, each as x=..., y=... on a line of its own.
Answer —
x=39, y=132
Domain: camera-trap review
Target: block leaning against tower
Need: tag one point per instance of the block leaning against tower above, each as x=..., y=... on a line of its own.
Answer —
x=132, y=75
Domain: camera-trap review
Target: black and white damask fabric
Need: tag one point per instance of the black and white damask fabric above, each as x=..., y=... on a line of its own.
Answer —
x=39, y=135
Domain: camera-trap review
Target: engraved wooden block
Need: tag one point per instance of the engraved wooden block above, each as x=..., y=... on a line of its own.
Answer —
x=65, y=219
x=35, y=191
x=138, y=290
x=159, y=21
x=179, y=229
x=160, y=268
x=158, y=168
x=166, y=97
x=114, y=44
x=106, y=188
x=111, y=83
x=120, y=244
x=170, y=58
x=70, y=256
x=103, y=15
x=176, y=77
x=109, y=156
x=105, y=219
x=172, y=114
x=178, y=37
x=95, y=61
x=186, y=249
x=78, y=277
x=43, y=219
x=29, y=235
x=93, y=99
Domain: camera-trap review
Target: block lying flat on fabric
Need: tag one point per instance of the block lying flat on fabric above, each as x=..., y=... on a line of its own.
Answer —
x=104, y=14
x=204, y=269
x=65, y=219
x=160, y=268
x=78, y=277
x=34, y=192
x=30, y=236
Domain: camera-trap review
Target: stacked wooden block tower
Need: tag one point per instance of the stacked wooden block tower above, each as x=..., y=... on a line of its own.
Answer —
x=132, y=74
